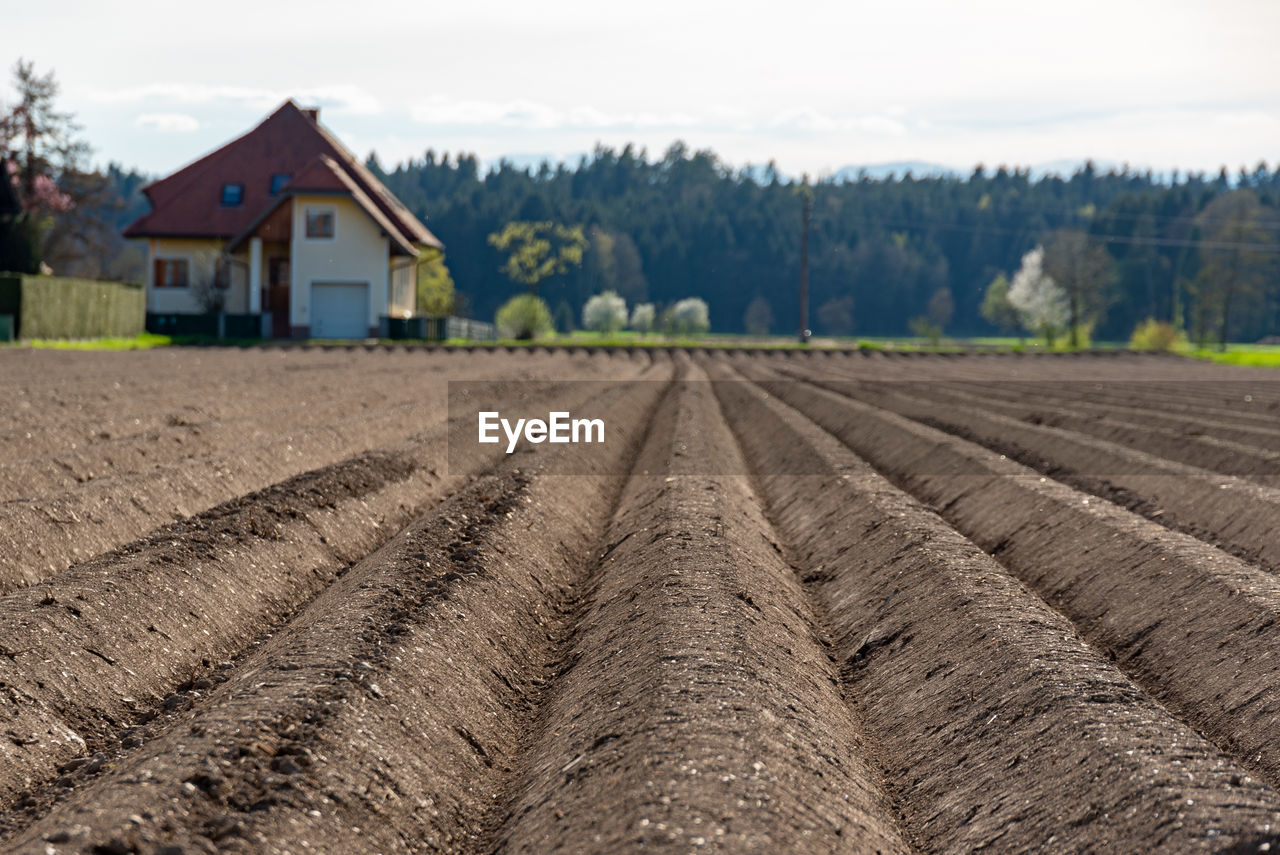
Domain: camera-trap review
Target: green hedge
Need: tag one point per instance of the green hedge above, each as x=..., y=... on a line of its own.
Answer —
x=61, y=307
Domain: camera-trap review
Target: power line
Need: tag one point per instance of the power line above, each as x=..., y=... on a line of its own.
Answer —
x=1105, y=214
x=1133, y=240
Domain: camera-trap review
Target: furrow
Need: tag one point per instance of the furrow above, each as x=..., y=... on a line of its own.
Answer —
x=45, y=535
x=1196, y=627
x=1229, y=401
x=998, y=726
x=1184, y=445
x=1126, y=411
x=1223, y=510
x=698, y=708
x=100, y=646
x=386, y=716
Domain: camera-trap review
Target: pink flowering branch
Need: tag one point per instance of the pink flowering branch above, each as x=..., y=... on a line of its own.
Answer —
x=46, y=196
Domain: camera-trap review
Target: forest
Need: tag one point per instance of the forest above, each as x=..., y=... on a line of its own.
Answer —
x=687, y=224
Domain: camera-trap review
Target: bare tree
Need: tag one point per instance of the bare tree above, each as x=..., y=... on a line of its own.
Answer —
x=210, y=281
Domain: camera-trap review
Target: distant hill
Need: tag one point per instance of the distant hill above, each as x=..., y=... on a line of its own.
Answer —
x=891, y=171
x=533, y=162
x=1065, y=168
x=895, y=170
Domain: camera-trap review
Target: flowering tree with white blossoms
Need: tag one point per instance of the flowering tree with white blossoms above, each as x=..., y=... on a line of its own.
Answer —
x=1040, y=302
x=605, y=313
x=643, y=318
x=688, y=317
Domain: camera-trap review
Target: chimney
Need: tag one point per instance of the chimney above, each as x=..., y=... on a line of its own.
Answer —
x=313, y=114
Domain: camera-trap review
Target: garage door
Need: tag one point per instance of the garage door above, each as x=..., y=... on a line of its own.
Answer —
x=339, y=310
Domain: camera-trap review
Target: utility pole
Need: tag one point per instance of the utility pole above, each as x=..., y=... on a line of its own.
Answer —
x=807, y=203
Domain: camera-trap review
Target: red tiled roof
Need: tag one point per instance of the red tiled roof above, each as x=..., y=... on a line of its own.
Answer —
x=289, y=141
x=322, y=174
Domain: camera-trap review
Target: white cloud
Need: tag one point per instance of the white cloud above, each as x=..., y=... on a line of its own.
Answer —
x=441, y=110
x=186, y=93
x=802, y=119
x=811, y=121
x=882, y=125
x=342, y=98
x=169, y=123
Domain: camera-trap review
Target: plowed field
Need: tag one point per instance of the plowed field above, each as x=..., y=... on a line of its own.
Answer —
x=271, y=601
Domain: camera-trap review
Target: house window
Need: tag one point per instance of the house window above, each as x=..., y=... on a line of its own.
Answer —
x=278, y=181
x=319, y=223
x=232, y=195
x=172, y=273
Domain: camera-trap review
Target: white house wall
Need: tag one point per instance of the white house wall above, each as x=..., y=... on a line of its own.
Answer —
x=358, y=252
x=201, y=257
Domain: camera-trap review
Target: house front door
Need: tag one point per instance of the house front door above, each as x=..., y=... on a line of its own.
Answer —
x=277, y=296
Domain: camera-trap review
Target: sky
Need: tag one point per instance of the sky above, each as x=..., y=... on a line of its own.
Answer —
x=814, y=86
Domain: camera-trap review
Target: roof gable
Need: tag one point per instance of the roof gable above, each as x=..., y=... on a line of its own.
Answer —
x=324, y=175
x=289, y=141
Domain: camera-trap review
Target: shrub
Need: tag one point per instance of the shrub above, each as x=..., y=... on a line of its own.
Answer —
x=1156, y=335
x=605, y=313
x=524, y=317
x=923, y=327
x=688, y=317
x=996, y=307
x=1084, y=334
x=643, y=317
x=435, y=291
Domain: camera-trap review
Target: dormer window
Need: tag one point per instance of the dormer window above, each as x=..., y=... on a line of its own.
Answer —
x=278, y=181
x=232, y=195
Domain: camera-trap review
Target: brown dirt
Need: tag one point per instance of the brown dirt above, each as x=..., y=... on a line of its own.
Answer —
x=997, y=725
x=280, y=609
x=1196, y=627
x=133, y=625
x=438, y=639
x=697, y=708
x=1225, y=510
x=176, y=439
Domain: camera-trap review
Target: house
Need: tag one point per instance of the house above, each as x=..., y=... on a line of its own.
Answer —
x=285, y=232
